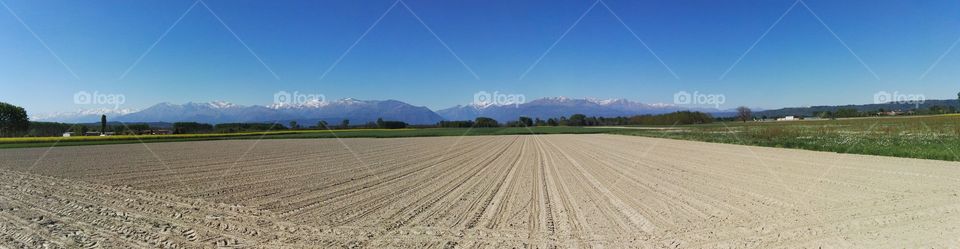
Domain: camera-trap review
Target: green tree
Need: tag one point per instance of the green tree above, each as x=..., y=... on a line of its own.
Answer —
x=322, y=124
x=13, y=120
x=191, y=128
x=675, y=118
x=577, y=120
x=525, y=121
x=552, y=122
x=103, y=124
x=47, y=129
x=79, y=130
x=247, y=127
x=345, y=124
x=455, y=124
x=391, y=124
x=937, y=109
x=294, y=125
x=847, y=112
x=485, y=122
x=136, y=128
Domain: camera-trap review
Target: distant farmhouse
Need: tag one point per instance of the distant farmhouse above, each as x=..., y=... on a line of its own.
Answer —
x=157, y=132
x=788, y=118
x=890, y=113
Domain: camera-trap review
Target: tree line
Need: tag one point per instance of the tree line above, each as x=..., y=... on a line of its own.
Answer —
x=853, y=113
x=675, y=118
x=195, y=127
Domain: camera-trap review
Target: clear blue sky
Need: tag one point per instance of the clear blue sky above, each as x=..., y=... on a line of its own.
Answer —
x=798, y=63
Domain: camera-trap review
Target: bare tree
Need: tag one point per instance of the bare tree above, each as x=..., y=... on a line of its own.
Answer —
x=744, y=114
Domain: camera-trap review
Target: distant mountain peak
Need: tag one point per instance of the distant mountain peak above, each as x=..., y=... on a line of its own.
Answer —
x=352, y=101
x=309, y=104
x=481, y=105
x=219, y=104
x=82, y=114
x=555, y=99
x=320, y=103
x=662, y=105
x=107, y=111
x=608, y=101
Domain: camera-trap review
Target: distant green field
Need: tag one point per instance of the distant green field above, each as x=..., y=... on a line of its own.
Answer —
x=25, y=142
x=927, y=137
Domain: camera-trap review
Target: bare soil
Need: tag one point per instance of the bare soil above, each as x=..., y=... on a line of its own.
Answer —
x=478, y=191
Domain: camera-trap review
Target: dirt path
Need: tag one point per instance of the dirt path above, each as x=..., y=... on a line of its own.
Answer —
x=484, y=191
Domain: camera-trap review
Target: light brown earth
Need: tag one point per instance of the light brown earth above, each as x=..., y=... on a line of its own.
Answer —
x=501, y=191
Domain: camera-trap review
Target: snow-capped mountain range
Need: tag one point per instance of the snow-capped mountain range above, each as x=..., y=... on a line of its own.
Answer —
x=363, y=111
x=308, y=113
x=552, y=107
x=82, y=115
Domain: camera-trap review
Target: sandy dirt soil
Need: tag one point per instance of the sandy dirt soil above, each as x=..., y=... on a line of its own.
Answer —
x=463, y=192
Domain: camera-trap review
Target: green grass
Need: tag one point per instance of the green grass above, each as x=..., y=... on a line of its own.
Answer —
x=927, y=137
x=26, y=142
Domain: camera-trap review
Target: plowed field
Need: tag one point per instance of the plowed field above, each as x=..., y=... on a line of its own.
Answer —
x=480, y=191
